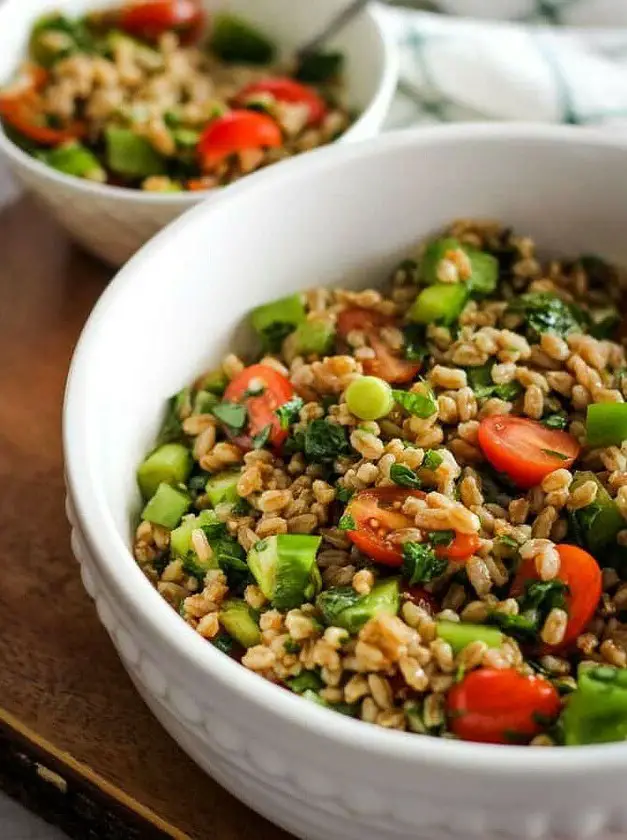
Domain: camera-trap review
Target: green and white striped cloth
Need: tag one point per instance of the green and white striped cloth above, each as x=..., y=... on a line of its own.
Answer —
x=530, y=60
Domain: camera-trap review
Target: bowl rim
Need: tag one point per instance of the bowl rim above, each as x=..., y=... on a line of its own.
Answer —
x=139, y=599
x=380, y=101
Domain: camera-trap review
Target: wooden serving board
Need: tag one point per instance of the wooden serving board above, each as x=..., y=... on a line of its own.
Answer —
x=77, y=744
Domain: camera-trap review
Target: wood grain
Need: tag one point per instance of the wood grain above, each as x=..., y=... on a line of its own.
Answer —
x=59, y=674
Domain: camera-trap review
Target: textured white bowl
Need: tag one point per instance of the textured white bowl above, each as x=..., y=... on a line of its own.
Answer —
x=343, y=214
x=113, y=222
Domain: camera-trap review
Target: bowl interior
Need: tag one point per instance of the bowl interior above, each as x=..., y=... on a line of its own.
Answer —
x=288, y=22
x=340, y=215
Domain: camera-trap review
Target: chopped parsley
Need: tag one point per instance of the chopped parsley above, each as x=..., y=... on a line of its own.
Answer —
x=232, y=415
x=441, y=537
x=555, y=421
x=480, y=379
x=420, y=564
x=404, y=477
x=419, y=405
x=324, y=441
x=545, y=312
x=432, y=460
x=347, y=523
x=260, y=440
x=415, y=348
x=344, y=494
x=288, y=413
x=534, y=605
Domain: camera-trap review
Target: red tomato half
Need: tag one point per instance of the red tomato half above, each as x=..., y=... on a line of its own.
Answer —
x=581, y=573
x=277, y=390
x=524, y=449
x=237, y=131
x=462, y=547
x=385, y=365
x=150, y=19
x=284, y=89
x=377, y=514
x=500, y=707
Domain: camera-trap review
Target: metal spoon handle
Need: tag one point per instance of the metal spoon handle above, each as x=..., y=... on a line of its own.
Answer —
x=333, y=27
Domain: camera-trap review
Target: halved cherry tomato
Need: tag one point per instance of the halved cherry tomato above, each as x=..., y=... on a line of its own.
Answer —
x=21, y=108
x=385, y=365
x=205, y=182
x=462, y=547
x=582, y=575
x=277, y=390
x=150, y=19
x=500, y=706
x=237, y=131
x=377, y=514
x=284, y=89
x=525, y=449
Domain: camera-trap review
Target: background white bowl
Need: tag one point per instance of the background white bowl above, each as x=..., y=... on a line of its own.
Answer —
x=113, y=222
x=339, y=214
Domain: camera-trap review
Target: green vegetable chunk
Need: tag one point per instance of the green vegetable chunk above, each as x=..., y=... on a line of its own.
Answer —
x=285, y=568
x=55, y=36
x=171, y=429
x=215, y=382
x=606, y=424
x=343, y=607
x=312, y=337
x=235, y=40
x=240, y=622
x=596, y=525
x=166, y=507
x=317, y=68
x=170, y=464
x=74, y=159
x=130, y=155
x=369, y=398
x=181, y=537
x=222, y=487
x=325, y=441
x=597, y=711
x=420, y=563
x=484, y=268
x=274, y=321
x=458, y=635
x=404, y=477
x=306, y=681
x=204, y=402
x=432, y=460
x=439, y=303
x=419, y=404
x=545, y=312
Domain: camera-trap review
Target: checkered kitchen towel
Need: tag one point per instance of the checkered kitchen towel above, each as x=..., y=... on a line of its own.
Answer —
x=533, y=60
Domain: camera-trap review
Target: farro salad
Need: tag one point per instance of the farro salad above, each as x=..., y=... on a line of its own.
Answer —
x=411, y=506
x=152, y=95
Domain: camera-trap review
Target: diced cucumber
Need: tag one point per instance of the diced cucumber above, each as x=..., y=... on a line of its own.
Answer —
x=306, y=681
x=606, y=424
x=204, y=401
x=484, y=267
x=460, y=634
x=222, y=487
x=312, y=337
x=147, y=56
x=597, y=524
x=285, y=312
x=74, y=159
x=166, y=507
x=596, y=713
x=341, y=609
x=215, y=382
x=285, y=568
x=130, y=155
x=239, y=621
x=180, y=538
x=170, y=463
x=235, y=40
x=440, y=303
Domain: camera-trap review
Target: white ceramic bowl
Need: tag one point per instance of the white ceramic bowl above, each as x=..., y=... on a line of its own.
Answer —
x=343, y=214
x=113, y=222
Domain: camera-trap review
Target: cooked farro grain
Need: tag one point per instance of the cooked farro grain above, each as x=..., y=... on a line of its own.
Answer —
x=383, y=556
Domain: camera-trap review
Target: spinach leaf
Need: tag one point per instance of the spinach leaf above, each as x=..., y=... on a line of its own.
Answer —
x=419, y=405
x=273, y=336
x=420, y=564
x=306, y=681
x=325, y=441
x=522, y=627
x=332, y=602
x=233, y=415
x=288, y=413
x=415, y=347
x=260, y=440
x=545, y=312
x=432, y=460
x=223, y=642
x=347, y=523
x=480, y=380
x=441, y=537
x=404, y=477
x=171, y=429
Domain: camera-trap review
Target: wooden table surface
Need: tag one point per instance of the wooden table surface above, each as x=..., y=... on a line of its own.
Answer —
x=58, y=670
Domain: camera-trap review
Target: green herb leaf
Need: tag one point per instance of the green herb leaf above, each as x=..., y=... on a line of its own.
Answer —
x=306, y=681
x=232, y=415
x=555, y=454
x=419, y=405
x=415, y=347
x=192, y=567
x=522, y=627
x=404, y=476
x=545, y=312
x=344, y=494
x=273, y=336
x=320, y=67
x=331, y=602
x=288, y=413
x=544, y=595
x=347, y=523
x=325, y=441
x=291, y=646
x=420, y=564
x=241, y=507
x=441, y=537
x=432, y=460
x=480, y=379
x=260, y=440
x=223, y=642
x=171, y=429
x=555, y=421
x=510, y=542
